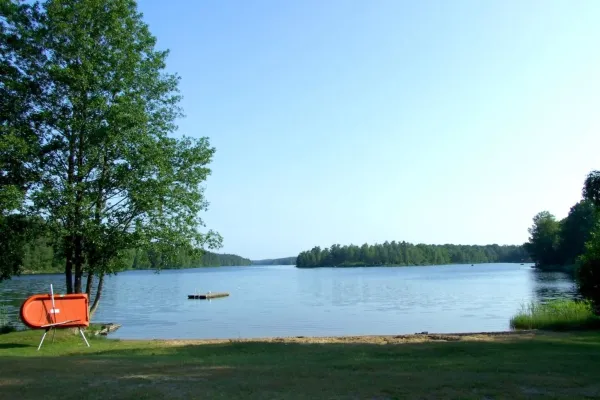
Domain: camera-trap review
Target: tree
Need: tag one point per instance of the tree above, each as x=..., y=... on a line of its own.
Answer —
x=113, y=179
x=544, y=239
x=588, y=268
x=575, y=231
x=591, y=188
x=19, y=144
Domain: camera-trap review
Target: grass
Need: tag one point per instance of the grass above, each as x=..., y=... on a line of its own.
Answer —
x=558, y=315
x=5, y=325
x=520, y=366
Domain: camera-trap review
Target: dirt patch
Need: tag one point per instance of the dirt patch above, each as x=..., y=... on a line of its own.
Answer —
x=368, y=339
x=12, y=382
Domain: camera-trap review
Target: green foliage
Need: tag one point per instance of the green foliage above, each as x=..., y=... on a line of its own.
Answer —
x=276, y=261
x=17, y=233
x=557, y=315
x=573, y=241
x=588, y=269
x=403, y=253
x=40, y=257
x=591, y=188
x=184, y=259
x=90, y=109
x=5, y=325
x=559, y=243
x=576, y=230
x=544, y=240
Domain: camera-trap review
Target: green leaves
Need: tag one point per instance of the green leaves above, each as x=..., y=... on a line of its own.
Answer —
x=544, y=240
x=591, y=188
x=101, y=165
x=407, y=254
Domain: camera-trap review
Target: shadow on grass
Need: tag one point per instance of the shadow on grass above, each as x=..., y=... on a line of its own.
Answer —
x=13, y=345
x=428, y=353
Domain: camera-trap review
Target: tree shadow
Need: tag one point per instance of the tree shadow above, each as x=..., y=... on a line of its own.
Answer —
x=13, y=345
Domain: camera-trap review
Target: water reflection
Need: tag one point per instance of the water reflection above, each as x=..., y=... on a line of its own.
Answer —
x=553, y=285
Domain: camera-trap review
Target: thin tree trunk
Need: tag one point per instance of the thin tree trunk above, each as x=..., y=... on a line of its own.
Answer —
x=69, y=265
x=98, y=294
x=89, y=283
x=78, y=262
x=68, y=245
x=79, y=258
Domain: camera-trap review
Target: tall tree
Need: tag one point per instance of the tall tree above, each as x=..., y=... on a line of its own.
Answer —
x=591, y=188
x=544, y=239
x=575, y=231
x=114, y=178
x=19, y=144
x=588, y=269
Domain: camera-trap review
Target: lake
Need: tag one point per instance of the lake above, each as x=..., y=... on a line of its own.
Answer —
x=267, y=301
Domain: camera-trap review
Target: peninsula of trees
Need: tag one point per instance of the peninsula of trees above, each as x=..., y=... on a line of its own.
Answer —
x=405, y=254
x=276, y=261
x=555, y=244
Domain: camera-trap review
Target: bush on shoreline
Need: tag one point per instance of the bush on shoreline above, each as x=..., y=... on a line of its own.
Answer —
x=556, y=315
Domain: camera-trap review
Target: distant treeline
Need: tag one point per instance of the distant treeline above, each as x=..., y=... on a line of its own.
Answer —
x=276, y=261
x=558, y=243
x=405, y=254
x=40, y=257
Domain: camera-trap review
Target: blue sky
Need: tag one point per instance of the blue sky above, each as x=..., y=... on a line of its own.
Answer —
x=346, y=121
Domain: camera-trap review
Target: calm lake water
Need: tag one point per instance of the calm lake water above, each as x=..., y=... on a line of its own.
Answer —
x=286, y=301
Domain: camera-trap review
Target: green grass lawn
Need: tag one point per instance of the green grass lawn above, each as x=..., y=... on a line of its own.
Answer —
x=539, y=365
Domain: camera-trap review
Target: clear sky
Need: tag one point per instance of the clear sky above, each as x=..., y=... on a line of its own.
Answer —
x=346, y=121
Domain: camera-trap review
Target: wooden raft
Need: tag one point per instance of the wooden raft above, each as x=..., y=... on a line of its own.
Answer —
x=207, y=296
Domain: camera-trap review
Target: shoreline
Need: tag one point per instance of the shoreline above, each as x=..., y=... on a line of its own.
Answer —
x=360, y=339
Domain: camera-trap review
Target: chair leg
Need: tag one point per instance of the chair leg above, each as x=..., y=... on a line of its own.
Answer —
x=43, y=337
x=83, y=336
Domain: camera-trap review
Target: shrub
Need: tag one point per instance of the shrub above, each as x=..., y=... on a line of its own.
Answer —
x=5, y=325
x=556, y=315
x=588, y=270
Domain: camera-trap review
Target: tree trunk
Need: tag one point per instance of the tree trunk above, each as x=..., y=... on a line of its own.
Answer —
x=78, y=262
x=98, y=293
x=69, y=264
x=68, y=245
x=69, y=275
x=78, y=248
x=88, y=285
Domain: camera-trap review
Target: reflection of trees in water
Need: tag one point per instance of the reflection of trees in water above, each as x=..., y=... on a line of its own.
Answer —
x=553, y=276
x=554, y=285
x=14, y=292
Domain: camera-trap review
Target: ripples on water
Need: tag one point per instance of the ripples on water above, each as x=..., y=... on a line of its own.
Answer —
x=286, y=301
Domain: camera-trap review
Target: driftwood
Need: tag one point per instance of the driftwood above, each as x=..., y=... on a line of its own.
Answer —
x=105, y=329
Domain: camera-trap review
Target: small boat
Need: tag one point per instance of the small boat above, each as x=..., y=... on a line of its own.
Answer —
x=41, y=311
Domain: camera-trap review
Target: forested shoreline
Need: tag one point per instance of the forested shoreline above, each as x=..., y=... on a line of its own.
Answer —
x=406, y=254
x=40, y=257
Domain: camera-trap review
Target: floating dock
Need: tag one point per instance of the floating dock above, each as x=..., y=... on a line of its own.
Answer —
x=207, y=296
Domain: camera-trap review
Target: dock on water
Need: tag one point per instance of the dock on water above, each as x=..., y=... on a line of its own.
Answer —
x=207, y=296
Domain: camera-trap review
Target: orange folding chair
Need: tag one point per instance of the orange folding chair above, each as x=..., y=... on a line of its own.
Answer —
x=45, y=311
